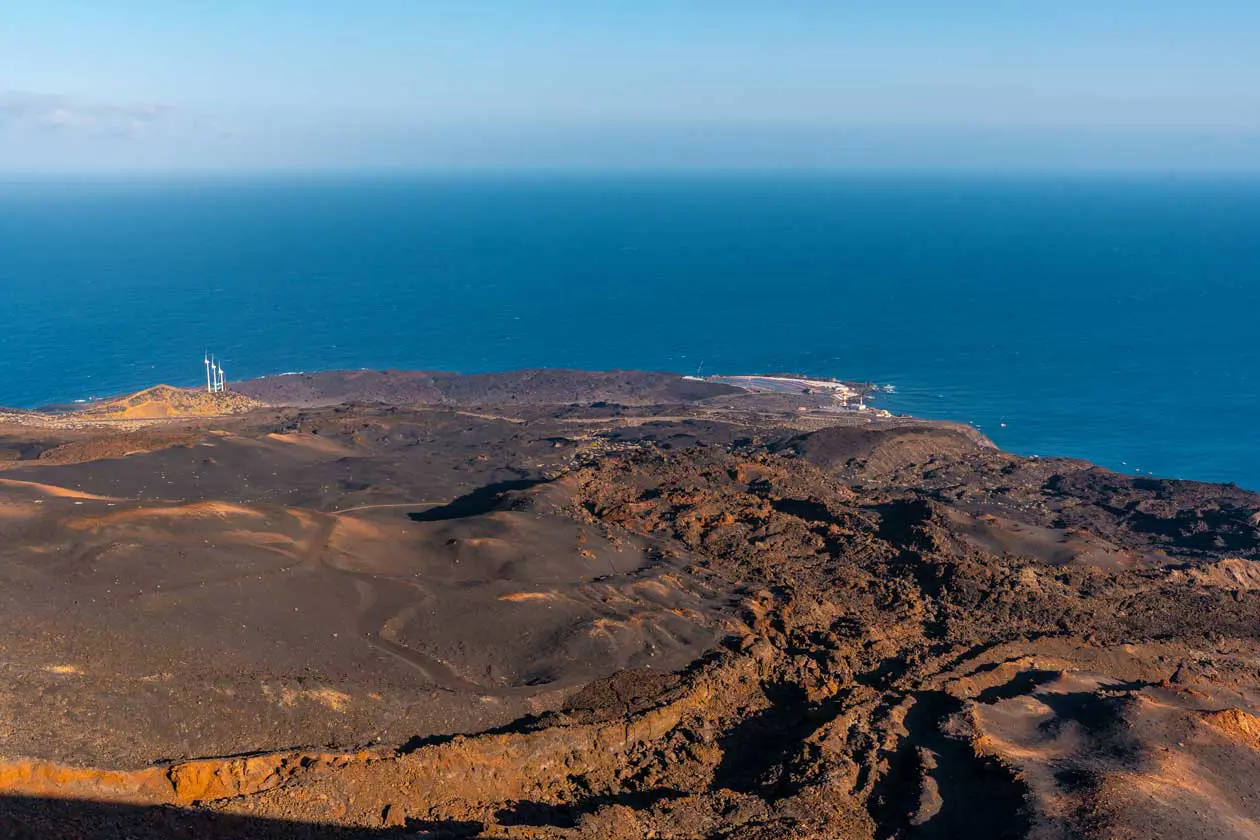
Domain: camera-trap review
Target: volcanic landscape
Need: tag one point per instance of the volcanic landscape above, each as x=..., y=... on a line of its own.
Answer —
x=564, y=604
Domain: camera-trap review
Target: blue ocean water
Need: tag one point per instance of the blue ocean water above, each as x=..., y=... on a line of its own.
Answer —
x=1113, y=319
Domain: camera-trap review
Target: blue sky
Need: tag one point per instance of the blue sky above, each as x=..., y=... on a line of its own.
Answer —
x=508, y=84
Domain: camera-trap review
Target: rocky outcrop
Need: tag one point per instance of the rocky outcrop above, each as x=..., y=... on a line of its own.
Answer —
x=181, y=783
x=909, y=634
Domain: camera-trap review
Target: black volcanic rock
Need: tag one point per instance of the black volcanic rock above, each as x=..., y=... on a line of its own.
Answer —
x=875, y=450
x=532, y=387
x=559, y=604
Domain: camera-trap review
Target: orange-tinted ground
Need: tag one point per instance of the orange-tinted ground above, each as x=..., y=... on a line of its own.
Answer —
x=612, y=607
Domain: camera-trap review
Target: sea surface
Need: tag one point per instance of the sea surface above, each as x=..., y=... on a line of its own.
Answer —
x=1110, y=318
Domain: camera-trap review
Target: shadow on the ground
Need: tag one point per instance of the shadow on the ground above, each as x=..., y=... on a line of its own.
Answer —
x=480, y=501
x=24, y=818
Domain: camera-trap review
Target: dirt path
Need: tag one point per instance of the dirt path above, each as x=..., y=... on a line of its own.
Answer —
x=427, y=503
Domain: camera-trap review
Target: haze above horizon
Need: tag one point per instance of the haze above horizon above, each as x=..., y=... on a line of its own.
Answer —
x=152, y=86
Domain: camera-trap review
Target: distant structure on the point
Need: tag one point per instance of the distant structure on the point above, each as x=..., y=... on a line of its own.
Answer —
x=216, y=381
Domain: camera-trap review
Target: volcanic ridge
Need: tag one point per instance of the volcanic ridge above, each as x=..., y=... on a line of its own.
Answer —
x=569, y=604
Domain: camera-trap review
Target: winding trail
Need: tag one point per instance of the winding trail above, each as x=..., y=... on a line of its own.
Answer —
x=384, y=598
x=390, y=505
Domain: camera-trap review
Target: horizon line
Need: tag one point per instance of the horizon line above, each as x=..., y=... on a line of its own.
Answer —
x=384, y=171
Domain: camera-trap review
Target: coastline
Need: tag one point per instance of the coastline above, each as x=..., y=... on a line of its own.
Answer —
x=815, y=399
x=580, y=571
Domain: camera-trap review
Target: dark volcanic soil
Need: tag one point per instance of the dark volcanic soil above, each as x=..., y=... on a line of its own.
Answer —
x=565, y=604
x=518, y=387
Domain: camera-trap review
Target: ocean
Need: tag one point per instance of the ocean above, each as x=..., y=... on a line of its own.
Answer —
x=1107, y=318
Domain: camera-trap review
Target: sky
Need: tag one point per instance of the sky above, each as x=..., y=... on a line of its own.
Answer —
x=242, y=85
